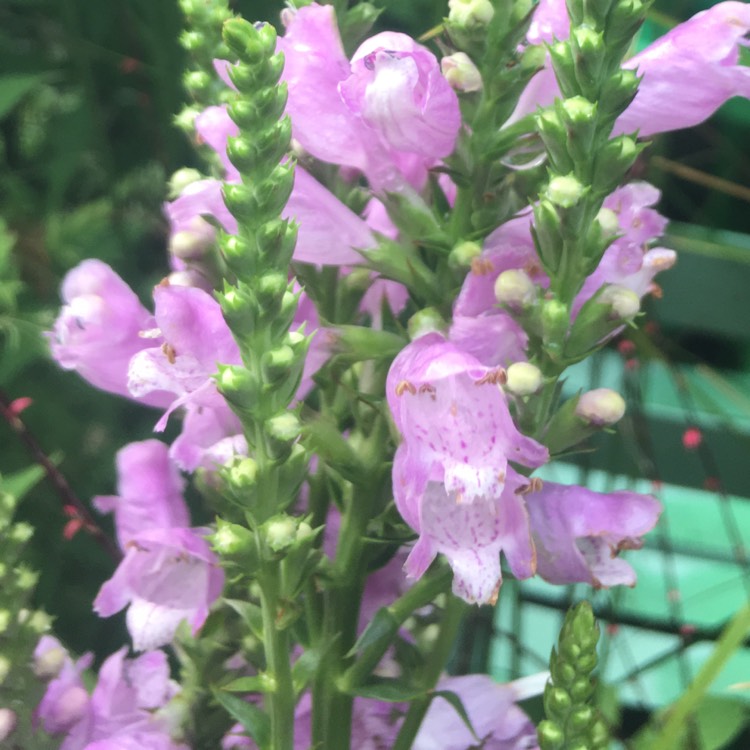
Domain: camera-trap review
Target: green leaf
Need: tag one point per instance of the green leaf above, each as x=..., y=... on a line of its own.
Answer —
x=254, y=721
x=380, y=629
x=250, y=613
x=458, y=706
x=719, y=720
x=21, y=482
x=305, y=667
x=389, y=690
x=14, y=87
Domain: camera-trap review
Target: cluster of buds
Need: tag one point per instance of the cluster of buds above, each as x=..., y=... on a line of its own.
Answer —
x=572, y=722
x=20, y=630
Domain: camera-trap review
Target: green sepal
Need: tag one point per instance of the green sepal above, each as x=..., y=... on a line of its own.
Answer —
x=415, y=219
x=235, y=544
x=594, y=323
x=550, y=126
x=566, y=429
x=323, y=438
x=276, y=240
x=357, y=22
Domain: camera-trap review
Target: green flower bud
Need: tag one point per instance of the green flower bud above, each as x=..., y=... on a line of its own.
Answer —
x=181, y=179
x=470, y=13
x=523, y=379
x=565, y=191
x=48, y=665
x=463, y=254
x=5, y=620
x=284, y=426
x=579, y=110
x=551, y=736
x=555, y=137
x=197, y=82
x=613, y=161
x=39, y=622
x=608, y=221
x=589, y=53
x=624, y=303
x=515, y=289
x=555, y=321
x=425, y=321
x=26, y=579
x=239, y=386
x=252, y=43
x=243, y=473
x=579, y=719
x=617, y=93
x=280, y=532
x=461, y=73
x=277, y=364
x=233, y=539
x=601, y=407
x=557, y=702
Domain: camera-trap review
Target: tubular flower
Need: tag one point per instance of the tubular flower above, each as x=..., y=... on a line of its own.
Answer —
x=449, y=473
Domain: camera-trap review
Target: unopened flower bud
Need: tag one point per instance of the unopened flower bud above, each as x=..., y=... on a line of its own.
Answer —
x=565, y=191
x=181, y=179
x=579, y=109
x=523, y=378
x=460, y=72
x=185, y=119
x=285, y=426
x=243, y=472
x=48, y=664
x=470, y=13
x=625, y=303
x=69, y=708
x=5, y=619
x=601, y=407
x=8, y=720
x=280, y=532
x=463, y=253
x=232, y=539
x=515, y=289
x=608, y=221
x=190, y=245
x=425, y=321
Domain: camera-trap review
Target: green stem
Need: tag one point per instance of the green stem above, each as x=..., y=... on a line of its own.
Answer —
x=668, y=737
x=278, y=666
x=452, y=618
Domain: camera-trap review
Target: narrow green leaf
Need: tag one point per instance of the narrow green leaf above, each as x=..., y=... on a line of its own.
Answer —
x=458, y=706
x=254, y=721
x=21, y=482
x=250, y=613
x=390, y=690
x=380, y=629
x=719, y=720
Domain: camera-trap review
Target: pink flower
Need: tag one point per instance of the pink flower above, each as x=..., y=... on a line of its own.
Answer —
x=329, y=232
x=687, y=74
x=99, y=328
x=122, y=710
x=449, y=473
x=491, y=707
x=389, y=112
x=628, y=262
x=192, y=339
x=169, y=573
x=149, y=492
x=578, y=533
